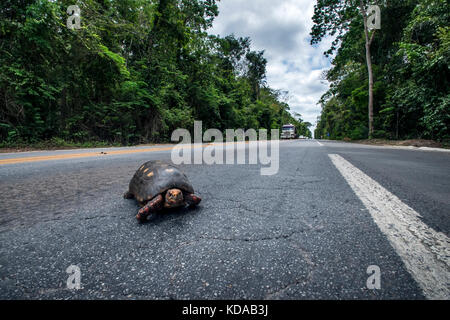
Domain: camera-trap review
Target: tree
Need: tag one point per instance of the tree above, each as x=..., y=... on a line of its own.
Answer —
x=256, y=71
x=335, y=18
x=133, y=73
x=410, y=66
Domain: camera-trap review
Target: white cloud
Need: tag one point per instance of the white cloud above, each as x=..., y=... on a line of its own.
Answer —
x=281, y=28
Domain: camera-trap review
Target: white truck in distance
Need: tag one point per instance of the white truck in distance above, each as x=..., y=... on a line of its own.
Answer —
x=288, y=132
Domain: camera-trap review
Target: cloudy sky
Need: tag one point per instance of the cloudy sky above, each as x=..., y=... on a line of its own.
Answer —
x=281, y=28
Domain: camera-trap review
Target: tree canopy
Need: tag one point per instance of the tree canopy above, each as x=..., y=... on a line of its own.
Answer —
x=410, y=56
x=135, y=71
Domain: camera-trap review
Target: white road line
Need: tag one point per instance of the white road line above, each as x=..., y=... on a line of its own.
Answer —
x=319, y=143
x=425, y=252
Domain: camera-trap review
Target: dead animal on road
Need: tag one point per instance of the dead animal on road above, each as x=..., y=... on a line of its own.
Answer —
x=157, y=185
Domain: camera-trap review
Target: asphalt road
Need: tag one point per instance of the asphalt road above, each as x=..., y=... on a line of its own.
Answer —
x=303, y=233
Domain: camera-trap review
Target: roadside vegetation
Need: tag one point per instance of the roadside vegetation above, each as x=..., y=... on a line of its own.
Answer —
x=410, y=61
x=133, y=73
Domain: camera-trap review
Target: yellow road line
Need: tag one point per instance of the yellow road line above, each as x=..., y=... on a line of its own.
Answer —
x=79, y=155
x=95, y=154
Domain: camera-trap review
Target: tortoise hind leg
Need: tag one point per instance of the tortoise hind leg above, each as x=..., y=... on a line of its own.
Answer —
x=153, y=205
x=191, y=199
x=128, y=195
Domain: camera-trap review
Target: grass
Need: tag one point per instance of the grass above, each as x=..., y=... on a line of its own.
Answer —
x=58, y=143
x=409, y=142
x=53, y=144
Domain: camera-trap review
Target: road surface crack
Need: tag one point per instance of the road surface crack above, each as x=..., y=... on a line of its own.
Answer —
x=267, y=238
x=298, y=281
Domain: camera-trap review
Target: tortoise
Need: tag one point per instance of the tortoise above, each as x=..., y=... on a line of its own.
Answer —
x=157, y=185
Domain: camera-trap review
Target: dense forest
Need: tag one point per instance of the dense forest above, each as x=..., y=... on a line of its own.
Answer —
x=410, y=62
x=135, y=71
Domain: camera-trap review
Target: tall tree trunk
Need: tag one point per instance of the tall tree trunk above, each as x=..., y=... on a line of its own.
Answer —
x=396, y=129
x=369, y=67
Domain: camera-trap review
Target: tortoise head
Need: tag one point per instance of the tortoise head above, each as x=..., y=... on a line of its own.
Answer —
x=174, y=198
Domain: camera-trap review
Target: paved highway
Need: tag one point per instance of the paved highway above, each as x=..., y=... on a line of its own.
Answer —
x=309, y=232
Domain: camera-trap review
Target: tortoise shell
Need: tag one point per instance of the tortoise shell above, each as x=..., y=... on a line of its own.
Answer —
x=156, y=177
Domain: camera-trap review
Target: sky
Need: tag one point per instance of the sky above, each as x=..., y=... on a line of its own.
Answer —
x=281, y=28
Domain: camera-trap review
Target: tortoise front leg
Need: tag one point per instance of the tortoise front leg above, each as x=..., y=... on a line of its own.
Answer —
x=153, y=205
x=128, y=195
x=191, y=199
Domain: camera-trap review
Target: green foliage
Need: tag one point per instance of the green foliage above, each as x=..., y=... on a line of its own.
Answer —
x=133, y=73
x=411, y=70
